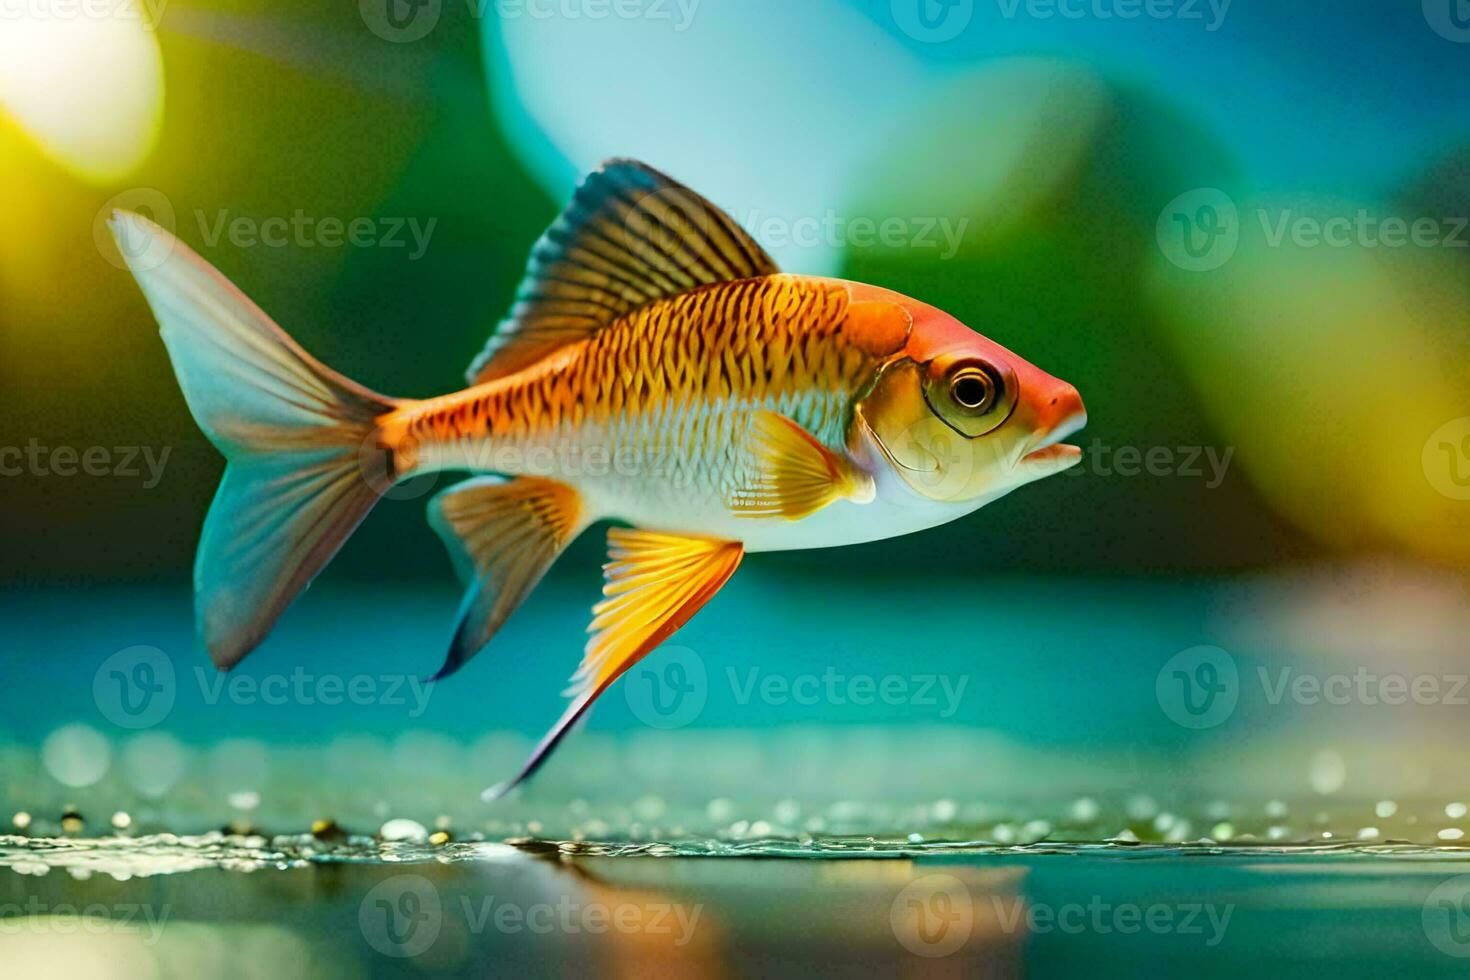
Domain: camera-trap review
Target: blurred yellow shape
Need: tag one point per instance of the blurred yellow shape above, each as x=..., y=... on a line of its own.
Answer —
x=74, y=946
x=85, y=81
x=1333, y=365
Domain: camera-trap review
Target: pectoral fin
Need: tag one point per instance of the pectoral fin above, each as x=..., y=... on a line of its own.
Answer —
x=654, y=584
x=503, y=536
x=796, y=474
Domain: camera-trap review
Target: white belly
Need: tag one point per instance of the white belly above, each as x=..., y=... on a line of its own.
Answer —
x=895, y=510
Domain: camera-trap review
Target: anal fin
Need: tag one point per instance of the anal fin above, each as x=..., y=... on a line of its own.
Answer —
x=797, y=474
x=503, y=536
x=654, y=584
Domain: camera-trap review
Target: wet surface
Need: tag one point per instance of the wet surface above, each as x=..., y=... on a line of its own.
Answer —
x=252, y=907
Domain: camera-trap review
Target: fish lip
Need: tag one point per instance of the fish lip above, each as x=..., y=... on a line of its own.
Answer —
x=1059, y=452
x=1048, y=445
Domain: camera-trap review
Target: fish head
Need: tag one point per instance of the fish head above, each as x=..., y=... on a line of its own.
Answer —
x=959, y=418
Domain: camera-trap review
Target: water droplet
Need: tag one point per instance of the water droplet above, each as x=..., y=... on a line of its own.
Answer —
x=121, y=820
x=1455, y=810
x=1368, y=833
x=403, y=829
x=22, y=820
x=1277, y=809
x=1386, y=808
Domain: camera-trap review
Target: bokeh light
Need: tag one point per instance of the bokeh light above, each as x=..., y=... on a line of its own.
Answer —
x=85, y=81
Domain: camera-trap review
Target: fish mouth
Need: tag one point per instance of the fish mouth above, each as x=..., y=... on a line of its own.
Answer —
x=1047, y=449
x=1058, y=453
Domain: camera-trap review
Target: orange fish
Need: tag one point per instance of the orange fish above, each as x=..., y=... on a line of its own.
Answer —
x=656, y=369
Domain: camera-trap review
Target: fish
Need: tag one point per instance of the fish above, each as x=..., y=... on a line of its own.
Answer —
x=657, y=372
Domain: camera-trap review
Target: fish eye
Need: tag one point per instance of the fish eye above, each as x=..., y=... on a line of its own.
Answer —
x=972, y=396
x=972, y=389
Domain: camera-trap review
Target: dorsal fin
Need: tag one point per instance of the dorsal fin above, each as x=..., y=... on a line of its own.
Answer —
x=630, y=236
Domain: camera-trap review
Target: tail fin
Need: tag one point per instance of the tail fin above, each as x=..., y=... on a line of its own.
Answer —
x=304, y=467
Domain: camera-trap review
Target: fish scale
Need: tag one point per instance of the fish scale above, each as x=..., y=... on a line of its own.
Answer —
x=774, y=343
